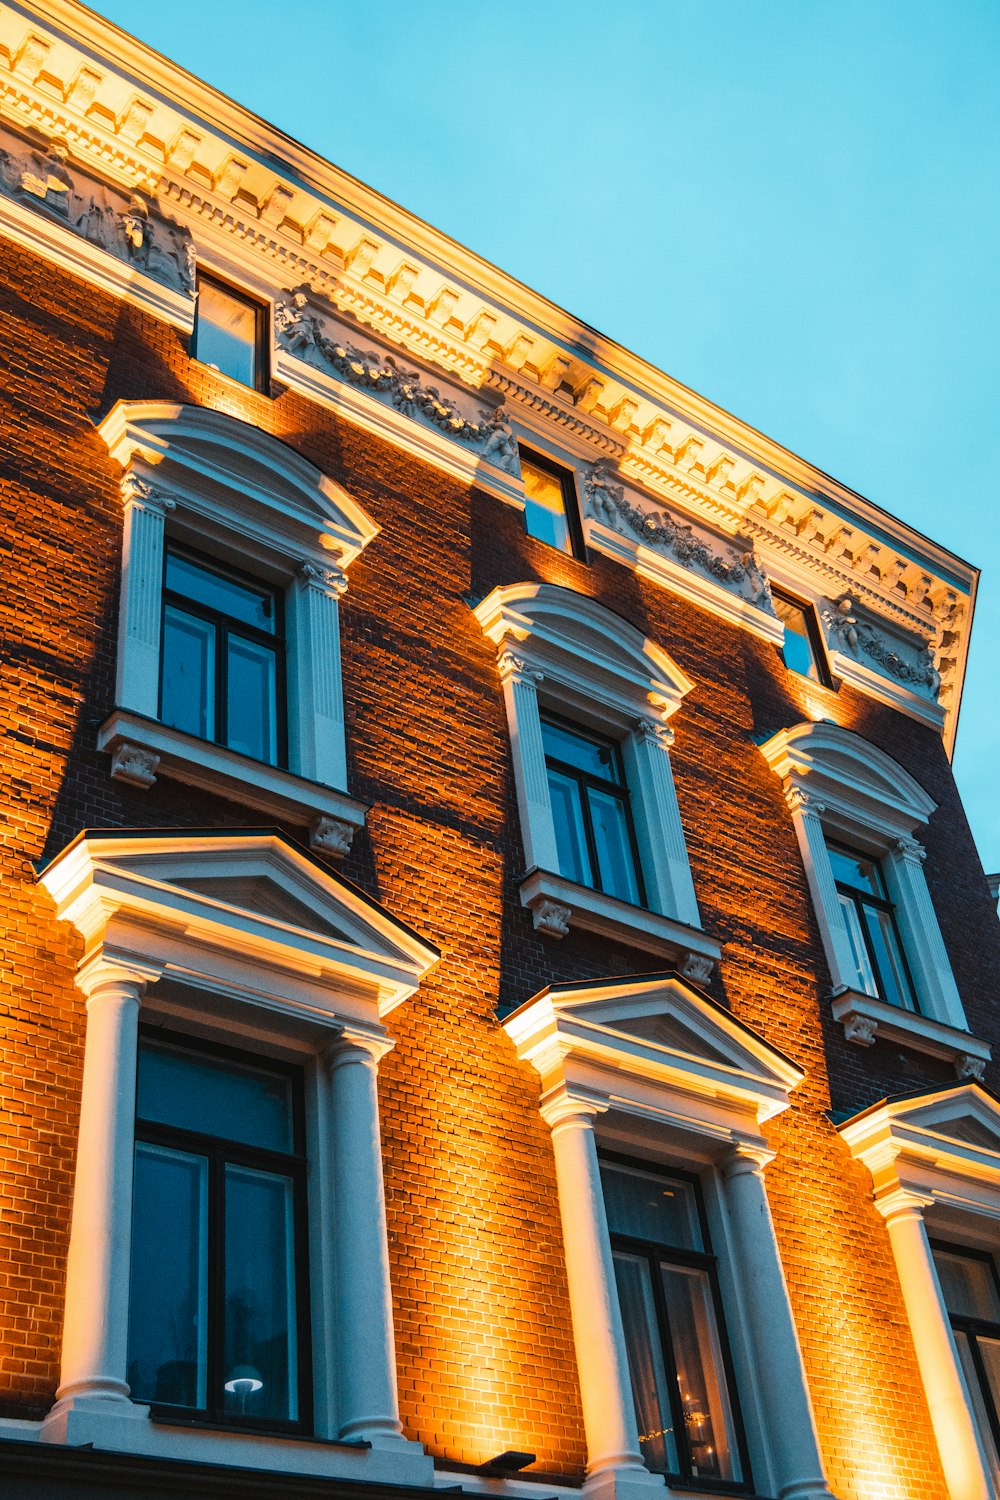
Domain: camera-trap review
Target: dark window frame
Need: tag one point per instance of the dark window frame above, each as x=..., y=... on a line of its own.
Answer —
x=814, y=635
x=262, y=327
x=224, y=626
x=219, y=1152
x=703, y=1260
x=619, y=789
x=571, y=503
x=972, y=1327
x=860, y=899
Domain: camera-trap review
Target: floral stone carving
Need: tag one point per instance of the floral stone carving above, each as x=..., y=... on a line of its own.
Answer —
x=851, y=633
x=608, y=504
x=302, y=332
x=126, y=226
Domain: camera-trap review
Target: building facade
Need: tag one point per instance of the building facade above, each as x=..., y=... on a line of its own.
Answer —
x=499, y=987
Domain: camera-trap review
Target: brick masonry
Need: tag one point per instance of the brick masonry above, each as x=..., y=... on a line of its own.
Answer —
x=482, y=1316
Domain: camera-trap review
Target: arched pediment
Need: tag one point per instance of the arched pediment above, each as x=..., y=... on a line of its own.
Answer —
x=843, y=769
x=217, y=462
x=576, y=638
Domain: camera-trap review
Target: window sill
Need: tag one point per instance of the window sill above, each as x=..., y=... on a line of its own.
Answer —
x=142, y=749
x=866, y=1019
x=558, y=904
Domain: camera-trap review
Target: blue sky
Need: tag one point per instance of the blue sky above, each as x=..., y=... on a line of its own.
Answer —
x=805, y=194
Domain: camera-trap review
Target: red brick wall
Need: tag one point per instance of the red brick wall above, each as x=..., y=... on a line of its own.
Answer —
x=484, y=1341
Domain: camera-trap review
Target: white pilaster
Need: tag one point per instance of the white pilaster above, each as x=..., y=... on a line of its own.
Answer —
x=530, y=777
x=658, y=823
x=367, y=1402
x=904, y=871
x=806, y=813
x=951, y=1416
x=316, y=721
x=138, y=680
x=614, y=1459
x=95, y=1327
x=785, y=1397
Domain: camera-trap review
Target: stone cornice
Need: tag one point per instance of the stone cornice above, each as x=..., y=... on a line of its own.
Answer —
x=255, y=199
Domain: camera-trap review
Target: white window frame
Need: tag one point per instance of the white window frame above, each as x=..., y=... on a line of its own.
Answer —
x=934, y=1161
x=838, y=785
x=562, y=651
x=242, y=937
x=228, y=489
x=652, y=1067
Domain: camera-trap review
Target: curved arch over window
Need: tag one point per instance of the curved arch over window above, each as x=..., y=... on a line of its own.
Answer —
x=588, y=700
x=856, y=811
x=237, y=515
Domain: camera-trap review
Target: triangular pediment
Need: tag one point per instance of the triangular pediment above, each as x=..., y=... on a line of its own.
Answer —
x=967, y=1114
x=264, y=895
x=670, y=1031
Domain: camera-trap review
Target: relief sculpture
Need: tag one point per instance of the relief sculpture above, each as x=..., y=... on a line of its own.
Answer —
x=848, y=631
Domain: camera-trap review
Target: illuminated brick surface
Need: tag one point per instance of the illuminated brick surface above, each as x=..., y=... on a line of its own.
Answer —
x=485, y=1349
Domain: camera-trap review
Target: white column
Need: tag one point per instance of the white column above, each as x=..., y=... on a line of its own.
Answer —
x=367, y=1401
x=658, y=823
x=613, y=1452
x=138, y=680
x=951, y=1416
x=530, y=777
x=921, y=934
x=95, y=1328
x=791, y=1428
x=806, y=813
x=316, y=721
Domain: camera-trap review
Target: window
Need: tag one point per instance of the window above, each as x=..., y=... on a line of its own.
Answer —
x=222, y=661
x=235, y=557
x=856, y=811
x=591, y=811
x=219, y=1315
x=801, y=649
x=870, y=921
x=678, y=1359
x=551, y=512
x=229, y=332
x=971, y=1292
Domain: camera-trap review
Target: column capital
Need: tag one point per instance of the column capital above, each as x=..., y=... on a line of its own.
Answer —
x=514, y=668
x=747, y=1158
x=898, y=1204
x=803, y=802
x=106, y=971
x=354, y=1046
x=140, y=493
x=654, y=732
x=909, y=848
x=330, y=580
x=563, y=1111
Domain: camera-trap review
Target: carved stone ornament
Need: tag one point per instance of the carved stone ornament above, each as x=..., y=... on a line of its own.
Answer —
x=859, y=637
x=126, y=226
x=138, y=491
x=510, y=664
x=552, y=919
x=303, y=332
x=801, y=801
x=911, y=849
x=655, y=732
x=967, y=1066
x=134, y=766
x=608, y=504
x=332, y=580
x=861, y=1030
x=331, y=836
x=697, y=968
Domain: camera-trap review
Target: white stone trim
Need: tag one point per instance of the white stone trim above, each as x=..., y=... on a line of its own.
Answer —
x=226, y=960
x=564, y=651
x=865, y=1018
x=654, y=1056
x=839, y=784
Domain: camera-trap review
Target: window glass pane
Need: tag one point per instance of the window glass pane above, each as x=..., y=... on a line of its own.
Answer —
x=708, y=1416
x=968, y=1286
x=615, y=861
x=650, y=1389
x=168, y=1325
x=545, y=507
x=217, y=590
x=214, y=1096
x=648, y=1206
x=797, y=648
x=979, y=1397
x=252, y=705
x=574, y=861
x=895, y=986
x=226, y=332
x=188, y=674
x=864, y=976
x=595, y=756
x=261, y=1349
x=855, y=870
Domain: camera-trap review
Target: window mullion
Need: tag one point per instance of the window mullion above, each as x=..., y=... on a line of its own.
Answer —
x=588, y=828
x=216, y=1373
x=656, y=1256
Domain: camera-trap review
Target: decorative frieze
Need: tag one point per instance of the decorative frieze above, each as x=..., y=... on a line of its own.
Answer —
x=911, y=663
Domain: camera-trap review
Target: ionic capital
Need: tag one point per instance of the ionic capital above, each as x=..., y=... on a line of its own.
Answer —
x=909, y=848
x=330, y=580
x=142, y=495
x=802, y=802
x=514, y=668
x=654, y=732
